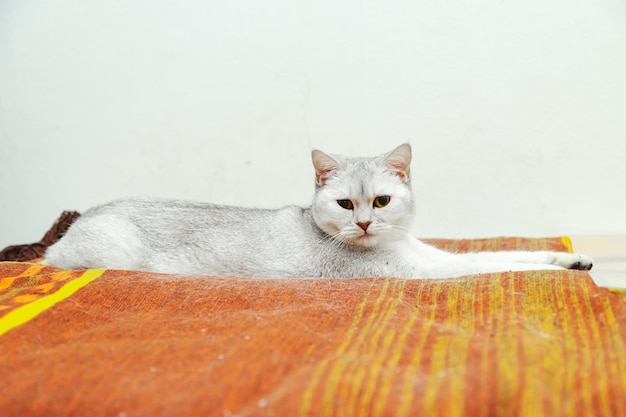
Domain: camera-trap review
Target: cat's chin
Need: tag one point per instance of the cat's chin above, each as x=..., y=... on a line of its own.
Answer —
x=365, y=241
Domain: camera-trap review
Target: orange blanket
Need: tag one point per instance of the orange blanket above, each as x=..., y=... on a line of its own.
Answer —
x=126, y=344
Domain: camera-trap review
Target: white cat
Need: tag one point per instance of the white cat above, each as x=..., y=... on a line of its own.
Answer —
x=358, y=226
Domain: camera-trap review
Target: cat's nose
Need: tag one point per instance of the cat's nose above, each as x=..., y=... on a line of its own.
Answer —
x=364, y=225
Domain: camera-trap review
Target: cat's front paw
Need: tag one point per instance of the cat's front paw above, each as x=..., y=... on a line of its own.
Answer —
x=574, y=261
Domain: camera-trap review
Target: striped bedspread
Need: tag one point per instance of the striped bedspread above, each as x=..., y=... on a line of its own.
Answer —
x=126, y=344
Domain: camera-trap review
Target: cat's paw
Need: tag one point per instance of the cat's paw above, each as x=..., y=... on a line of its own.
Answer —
x=574, y=261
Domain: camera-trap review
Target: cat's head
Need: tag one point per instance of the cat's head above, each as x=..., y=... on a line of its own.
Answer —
x=364, y=202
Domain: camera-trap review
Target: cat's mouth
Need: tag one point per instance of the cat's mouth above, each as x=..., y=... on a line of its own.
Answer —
x=365, y=239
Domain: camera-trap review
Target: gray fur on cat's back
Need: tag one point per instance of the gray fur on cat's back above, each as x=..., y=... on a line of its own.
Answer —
x=196, y=238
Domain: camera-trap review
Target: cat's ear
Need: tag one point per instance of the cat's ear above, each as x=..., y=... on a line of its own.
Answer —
x=324, y=166
x=399, y=160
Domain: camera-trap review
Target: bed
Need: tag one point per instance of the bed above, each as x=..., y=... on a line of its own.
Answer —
x=125, y=344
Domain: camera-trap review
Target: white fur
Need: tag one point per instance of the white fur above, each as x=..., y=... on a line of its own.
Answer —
x=325, y=239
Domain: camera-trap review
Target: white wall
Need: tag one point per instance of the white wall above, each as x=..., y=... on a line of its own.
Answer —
x=516, y=110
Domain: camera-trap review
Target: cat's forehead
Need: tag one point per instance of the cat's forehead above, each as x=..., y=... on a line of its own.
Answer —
x=364, y=177
x=358, y=165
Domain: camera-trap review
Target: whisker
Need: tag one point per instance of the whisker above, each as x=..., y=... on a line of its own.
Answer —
x=401, y=228
x=337, y=239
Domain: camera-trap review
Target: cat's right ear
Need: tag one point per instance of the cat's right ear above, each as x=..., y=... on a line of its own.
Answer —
x=399, y=160
x=324, y=166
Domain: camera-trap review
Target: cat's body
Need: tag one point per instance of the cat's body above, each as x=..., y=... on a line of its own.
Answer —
x=357, y=226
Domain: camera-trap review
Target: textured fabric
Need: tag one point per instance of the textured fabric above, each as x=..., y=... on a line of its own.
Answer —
x=121, y=343
x=32, y=251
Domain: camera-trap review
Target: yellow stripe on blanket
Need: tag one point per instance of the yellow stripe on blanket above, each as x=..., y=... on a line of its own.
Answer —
x=568, y=243
x=31, y=310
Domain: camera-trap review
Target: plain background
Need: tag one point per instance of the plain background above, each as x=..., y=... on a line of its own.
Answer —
x=516, y=110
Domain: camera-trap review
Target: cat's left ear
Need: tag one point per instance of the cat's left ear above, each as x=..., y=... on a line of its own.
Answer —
x=324, y=166
x=399, y=160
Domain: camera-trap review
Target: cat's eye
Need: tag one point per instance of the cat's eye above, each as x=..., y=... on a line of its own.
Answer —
x=381, y=201
x=347, y=204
